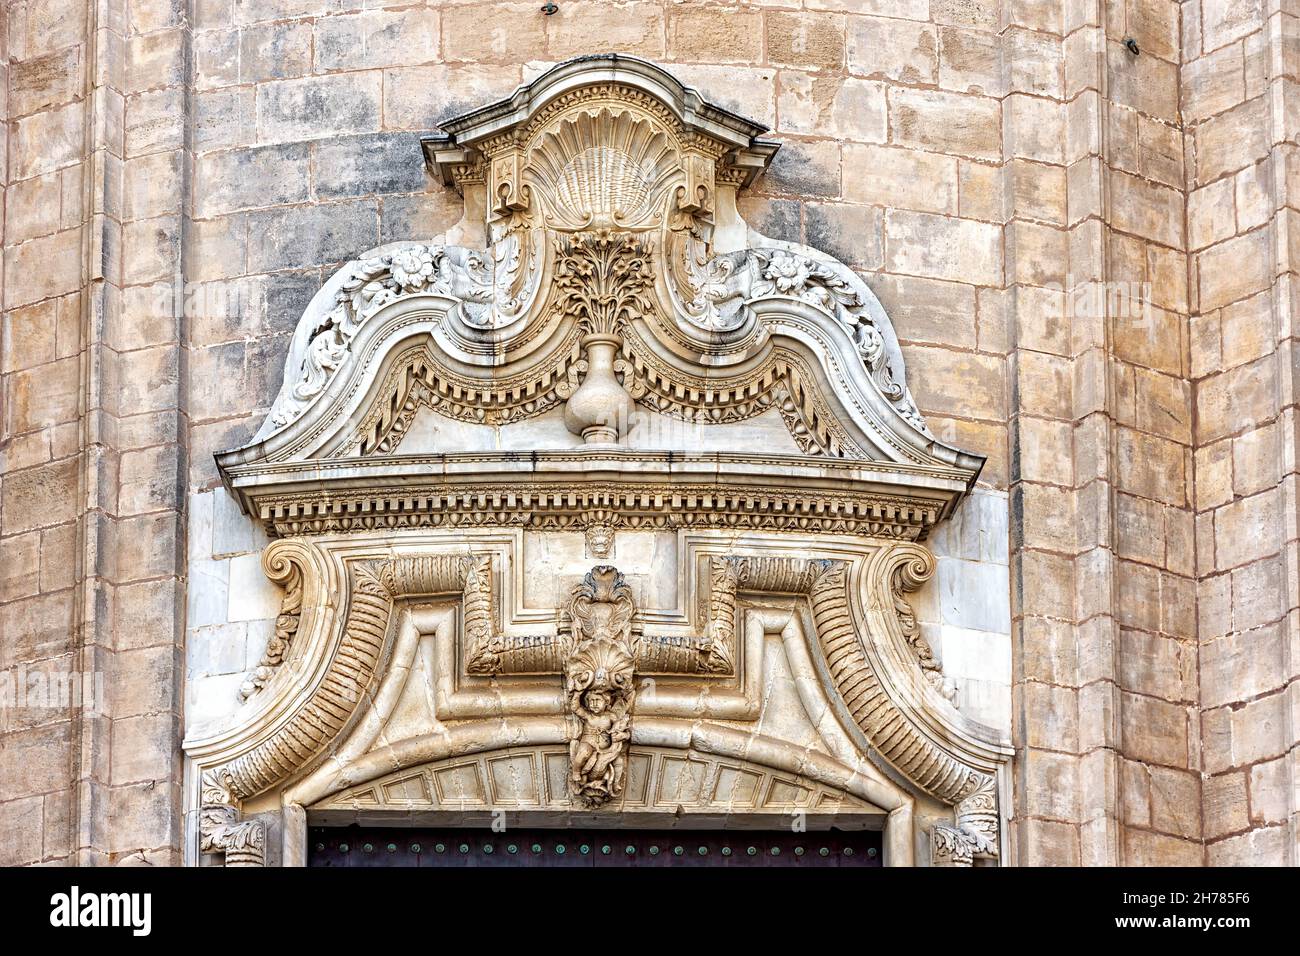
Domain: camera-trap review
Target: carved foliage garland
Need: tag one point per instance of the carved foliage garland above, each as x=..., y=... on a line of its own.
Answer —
x=718, y=291
x=484, y=286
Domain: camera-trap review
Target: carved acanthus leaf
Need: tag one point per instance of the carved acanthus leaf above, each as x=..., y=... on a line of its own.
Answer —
x=243, y=842
x=719, y=291
x=603, y=279
x=485, y=286
x=976, y=834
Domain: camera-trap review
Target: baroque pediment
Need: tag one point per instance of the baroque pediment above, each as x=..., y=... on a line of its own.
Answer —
x=600, y=334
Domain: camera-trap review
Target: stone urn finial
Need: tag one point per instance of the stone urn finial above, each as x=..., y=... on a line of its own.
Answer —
x=600, y=406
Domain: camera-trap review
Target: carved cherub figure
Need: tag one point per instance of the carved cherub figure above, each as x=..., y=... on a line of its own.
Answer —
x=596, y=760
x=599, y=685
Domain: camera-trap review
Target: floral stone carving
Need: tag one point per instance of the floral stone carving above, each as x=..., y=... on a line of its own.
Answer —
x=221, y=831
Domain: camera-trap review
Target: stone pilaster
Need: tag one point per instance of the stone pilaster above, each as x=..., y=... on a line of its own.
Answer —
x=94, y=443
x=1241, y=103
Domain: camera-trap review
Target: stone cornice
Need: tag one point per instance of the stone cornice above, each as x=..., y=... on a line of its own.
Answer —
x=562, y=489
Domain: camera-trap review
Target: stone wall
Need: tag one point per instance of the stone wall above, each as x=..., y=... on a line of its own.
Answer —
x=1241, y=106
x=981, y=162
x=95, y=436
x=1101, y=470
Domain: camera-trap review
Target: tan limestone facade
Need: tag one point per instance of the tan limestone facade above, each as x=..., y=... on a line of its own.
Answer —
x=649, y=414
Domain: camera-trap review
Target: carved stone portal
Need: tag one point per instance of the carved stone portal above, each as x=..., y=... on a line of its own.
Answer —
x=452, y=406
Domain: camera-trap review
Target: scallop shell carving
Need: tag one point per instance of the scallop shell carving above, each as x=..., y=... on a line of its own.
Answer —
x=603, y=168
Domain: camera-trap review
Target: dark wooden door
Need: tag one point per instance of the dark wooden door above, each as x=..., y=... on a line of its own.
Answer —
x=357, y=846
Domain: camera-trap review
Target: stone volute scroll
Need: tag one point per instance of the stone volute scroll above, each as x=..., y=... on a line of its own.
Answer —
x=598, y=490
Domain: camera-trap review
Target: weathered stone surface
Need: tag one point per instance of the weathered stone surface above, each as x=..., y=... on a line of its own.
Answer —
x=318, y=107
x=943, y=248
x=1234, y=269
x=849, y=108
x=259, y=176
x=811, y=169
x=1231, y=141
x=1233, y=400
x=585, y=25
x=298, y=236
x=279, y=51
x=369, y=164
x=41, y=82
x=378, y=38
x=1263, y=847
x=946, y=122
x=419, y=97
x=714, y=35
x=928, y=310
x=853, y=234
x=807, y=40
x=1223, y=21
x=892, y=49
x=900, y=178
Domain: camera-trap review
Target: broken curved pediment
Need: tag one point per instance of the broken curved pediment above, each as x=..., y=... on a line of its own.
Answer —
x=605, y=297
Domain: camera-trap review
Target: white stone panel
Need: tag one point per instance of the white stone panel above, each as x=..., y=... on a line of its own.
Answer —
x=208, y=594
x=233, y=532
x=252, y=596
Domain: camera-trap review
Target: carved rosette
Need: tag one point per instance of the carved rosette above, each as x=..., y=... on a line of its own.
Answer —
x=599, y=686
